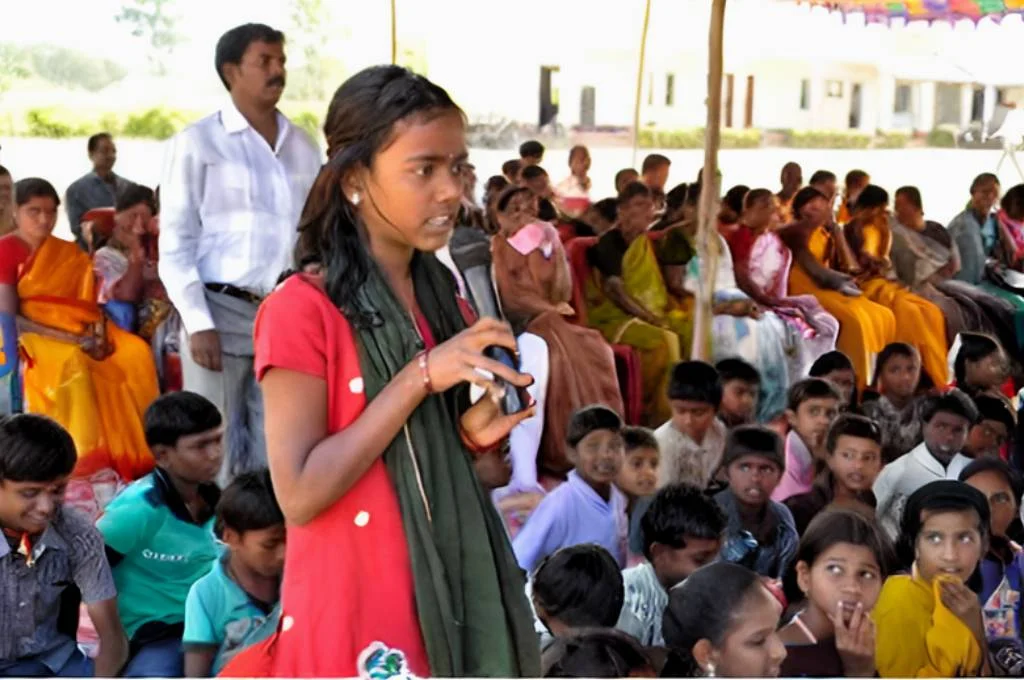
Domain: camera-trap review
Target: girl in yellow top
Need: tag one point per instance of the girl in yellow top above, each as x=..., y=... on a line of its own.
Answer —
x=929, y=623
x=918, y=322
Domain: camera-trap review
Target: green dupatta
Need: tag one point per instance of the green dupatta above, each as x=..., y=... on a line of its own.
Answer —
x=470, y=592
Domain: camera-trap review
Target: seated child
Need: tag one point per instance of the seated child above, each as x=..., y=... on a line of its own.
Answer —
x=996, y=424
x=638, y=479
x=48, y=550
x=682, y=531
x=587, y=508
x=947, y=419
x=897, y=410
x=1002, y=568
x=980, y=364
x=227, y=605
x=853, y=455
x=929, y=622
x=760, y=533
x=721, y=622
x=813, y=405
x=741, y=384
x=597, y=653
x=840, y=566
x=837, y=368
x=692, y=440
x=576, y=588
x=159, y=530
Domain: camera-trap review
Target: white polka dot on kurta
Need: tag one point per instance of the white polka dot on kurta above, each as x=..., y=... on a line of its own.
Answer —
x=287, y=623
x=355, y=385
x=362, y=518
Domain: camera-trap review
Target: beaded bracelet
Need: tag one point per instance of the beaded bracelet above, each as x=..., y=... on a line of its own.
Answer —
x=424, y=360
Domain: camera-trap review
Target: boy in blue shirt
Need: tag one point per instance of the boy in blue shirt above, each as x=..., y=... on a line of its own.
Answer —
x=227, y=605
x=47, y=551
x=159, y=531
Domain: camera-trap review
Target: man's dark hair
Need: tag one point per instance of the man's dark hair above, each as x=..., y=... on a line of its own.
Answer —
x=912, y=194
x=851, y=425
x=581, y=586
x=232, y=45
x=622, y=173
x=177, y=415
x=952, y=401
x=248, y=504
x=531, y=149
x=590, y=419
x=695, y=381
x=34, y=448
x=679, y=511
x=4, y=172
x=94, y=141
x=735, y=368
x=810, y=388
x=872, y=196
x=653, y=162
x=636, y=437
x=856, y=177
x=984, y=178
x=133, y=195
x=822, y=176
x=632, y=190
x=533, y=172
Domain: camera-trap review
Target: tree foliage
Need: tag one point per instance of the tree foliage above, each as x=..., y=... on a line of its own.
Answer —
x=12, y=66
x=61, y=66
x=310, y=33
x=152, y=20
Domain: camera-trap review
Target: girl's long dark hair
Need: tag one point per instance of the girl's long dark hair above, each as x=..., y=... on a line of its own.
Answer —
x=360, y=123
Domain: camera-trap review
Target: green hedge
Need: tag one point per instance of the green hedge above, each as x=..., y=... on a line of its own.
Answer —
x=55, y=123
x=891, y=140
x=693, y=138
x=827, y=139
x=942, y=137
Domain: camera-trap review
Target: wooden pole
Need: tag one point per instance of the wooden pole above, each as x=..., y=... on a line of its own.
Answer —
x=707, y=230
x=640, y=80
x=394, y=34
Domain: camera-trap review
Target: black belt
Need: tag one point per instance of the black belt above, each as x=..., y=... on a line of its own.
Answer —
x=235, y=292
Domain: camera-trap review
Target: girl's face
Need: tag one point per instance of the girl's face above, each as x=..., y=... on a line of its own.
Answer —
x=1001, y=501
x=949, y=544
x=900, y=376
x=989, y=371
x=856, y=462
x=520, y=210
x=844, y=380
x=36, y=219
x=816, y=210
x=752, y=648
x=636, y=214
x=410, y=196
x=579, y=164
x=639, y=474
x=762, y=215
x=984, y=196
x=843, y=576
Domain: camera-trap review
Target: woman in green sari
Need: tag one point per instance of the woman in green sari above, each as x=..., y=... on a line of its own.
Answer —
x=629, y=301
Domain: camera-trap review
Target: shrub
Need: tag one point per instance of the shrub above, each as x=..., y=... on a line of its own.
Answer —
x=942, y=137
x=891, y=140
x=694, y=138
x=156, y=123
x=310, y=122
x=53, y=123
x=827, y=139
x=109, y=122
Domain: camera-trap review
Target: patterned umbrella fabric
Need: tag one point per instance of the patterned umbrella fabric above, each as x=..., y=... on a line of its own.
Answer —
x=925, y=10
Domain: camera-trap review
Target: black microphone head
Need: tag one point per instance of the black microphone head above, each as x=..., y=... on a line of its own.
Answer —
x=470, y=248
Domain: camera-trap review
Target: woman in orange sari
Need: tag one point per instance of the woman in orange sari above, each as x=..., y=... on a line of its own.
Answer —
x=918, y=322
x=87, y=374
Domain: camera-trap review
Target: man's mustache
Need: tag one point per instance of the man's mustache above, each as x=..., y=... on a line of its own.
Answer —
x=276, y=80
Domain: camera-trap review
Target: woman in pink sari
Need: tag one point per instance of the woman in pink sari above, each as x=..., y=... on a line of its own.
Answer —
x=762, y=264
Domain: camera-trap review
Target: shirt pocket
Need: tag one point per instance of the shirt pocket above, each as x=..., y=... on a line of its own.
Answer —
x=227, y=192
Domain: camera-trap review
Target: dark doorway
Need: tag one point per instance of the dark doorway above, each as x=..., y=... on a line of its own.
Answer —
x=748, y=109
x=548, y=95
x=855, y=106
x=977, y=104
x=588, y=105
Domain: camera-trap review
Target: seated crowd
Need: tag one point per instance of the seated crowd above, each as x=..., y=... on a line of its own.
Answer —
x=834, y=493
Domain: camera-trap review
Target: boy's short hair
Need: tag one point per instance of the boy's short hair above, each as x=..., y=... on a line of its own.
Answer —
x=754, y=440
x=635, y=437
x=695, y=381
x=581, y=586
x=622, y=173
x=531, y=149
x=590, y=419
x=248, y=504
x=653, y=162
x=608, y=208
x=735, y=368
x=811, y=388
x=34, y=448
x=179, y=414
x=820, y=176
x=856, y=177
x=852, y=425
x=995, y=408
x=596, y=653
x=533, y=172
x=678, y=511
x=953, y=401
x=511, y=167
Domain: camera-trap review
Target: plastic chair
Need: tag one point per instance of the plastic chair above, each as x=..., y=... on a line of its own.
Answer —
x=627, y=363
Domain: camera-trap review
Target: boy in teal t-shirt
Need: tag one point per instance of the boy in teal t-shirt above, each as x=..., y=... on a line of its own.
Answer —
x=159, y=531
x=227, y=607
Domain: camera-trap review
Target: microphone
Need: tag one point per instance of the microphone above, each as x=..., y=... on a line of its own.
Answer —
x=471, y=252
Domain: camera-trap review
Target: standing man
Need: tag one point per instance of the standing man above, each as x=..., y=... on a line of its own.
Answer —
x=232, y=190
x=792, y=178
x=97, y=189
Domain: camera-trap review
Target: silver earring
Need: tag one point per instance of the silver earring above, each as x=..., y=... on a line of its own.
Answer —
x=355, y=198
x=711, y=671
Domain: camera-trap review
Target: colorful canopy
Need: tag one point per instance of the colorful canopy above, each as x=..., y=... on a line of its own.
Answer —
x=926, y=10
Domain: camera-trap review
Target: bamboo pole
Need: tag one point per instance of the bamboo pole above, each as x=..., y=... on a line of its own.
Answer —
x=640, y=80
x=707, y=231
x=394, y=34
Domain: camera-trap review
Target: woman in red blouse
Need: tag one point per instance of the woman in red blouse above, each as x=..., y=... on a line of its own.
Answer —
x=396, y=562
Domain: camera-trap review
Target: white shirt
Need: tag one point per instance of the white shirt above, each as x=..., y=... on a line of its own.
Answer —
x=230, y=208
x=904, y=476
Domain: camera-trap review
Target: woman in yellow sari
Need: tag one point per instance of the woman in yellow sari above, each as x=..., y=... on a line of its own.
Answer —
x=819, y=258
x=919, y=322
x=629, y=302
x=87, y=374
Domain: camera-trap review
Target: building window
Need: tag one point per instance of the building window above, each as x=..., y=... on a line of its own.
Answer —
x=805, y=95
x=902, y=101
x=670, y=89
x=834, y=89
x=650, y=89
